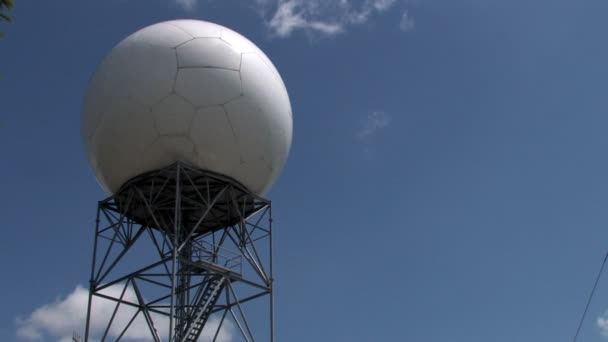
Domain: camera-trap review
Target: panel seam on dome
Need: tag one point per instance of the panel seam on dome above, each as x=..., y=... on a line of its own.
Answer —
x=233, y=133
x=181, y=29
x=241, y=74
x=186, y=42
x=173, y=91
x=205, y=67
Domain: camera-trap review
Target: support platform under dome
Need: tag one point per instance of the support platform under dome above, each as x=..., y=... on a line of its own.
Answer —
x=183, y=253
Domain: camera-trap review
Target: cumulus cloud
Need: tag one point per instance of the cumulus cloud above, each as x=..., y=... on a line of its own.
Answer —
x=327, y=17
x=59, y=319
x=407, y=23
x=373, y=123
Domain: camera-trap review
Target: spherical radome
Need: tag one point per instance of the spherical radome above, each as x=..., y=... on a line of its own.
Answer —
x=190, y=91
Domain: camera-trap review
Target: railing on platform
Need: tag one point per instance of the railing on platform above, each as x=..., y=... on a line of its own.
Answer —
x=206, y=251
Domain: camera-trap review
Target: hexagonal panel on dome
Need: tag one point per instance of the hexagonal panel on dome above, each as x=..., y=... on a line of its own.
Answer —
x=172, y=116
x=269, y=95
x=197, y=28
x=268, y=63
x=102, y=90
x=255, y=174
x=252, y=132
x=162, y=34
x=208, y=52
x=119, y=141
x=208, y=86
x=142, y=71
x=94, y=106
x=237, y=41
x=165, y=150
x=244, y=45
x=262, y=86
x=214, y=139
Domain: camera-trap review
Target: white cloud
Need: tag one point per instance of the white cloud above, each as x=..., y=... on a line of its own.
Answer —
x=407, y=23
x=373, y=123
x=327, y=17
x=382, y=5
x=59, y=319
x=602, y=324
x=290, y=16
x=188, y=5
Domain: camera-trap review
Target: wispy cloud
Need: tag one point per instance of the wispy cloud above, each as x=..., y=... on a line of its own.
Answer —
x=327, y=17
x=292, y=15
x=188, y=5
x=373, y=124
x=59, y=319
x=407, y=23
x=322, y=17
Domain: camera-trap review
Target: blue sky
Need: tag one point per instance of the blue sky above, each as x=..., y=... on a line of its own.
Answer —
x=448, y=179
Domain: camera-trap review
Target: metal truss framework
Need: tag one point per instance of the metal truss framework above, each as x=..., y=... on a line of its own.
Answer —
x=176, y=249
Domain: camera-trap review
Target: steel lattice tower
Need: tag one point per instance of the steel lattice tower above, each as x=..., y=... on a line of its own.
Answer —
x=182, y=252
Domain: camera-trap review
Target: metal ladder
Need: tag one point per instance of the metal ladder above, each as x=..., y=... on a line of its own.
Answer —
x=205, y=304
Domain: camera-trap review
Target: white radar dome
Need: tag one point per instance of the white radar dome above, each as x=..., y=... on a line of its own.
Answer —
x=190, y=91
